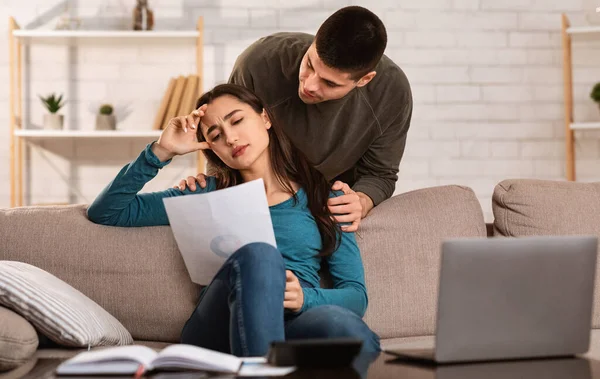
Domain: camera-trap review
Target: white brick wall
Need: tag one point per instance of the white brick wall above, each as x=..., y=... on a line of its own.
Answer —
x=486, y=77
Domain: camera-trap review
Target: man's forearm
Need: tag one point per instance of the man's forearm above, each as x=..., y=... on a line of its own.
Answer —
x=366, y=203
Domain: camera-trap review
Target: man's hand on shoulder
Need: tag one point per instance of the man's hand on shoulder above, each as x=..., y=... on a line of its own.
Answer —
x=190, y=182
x=346, y=208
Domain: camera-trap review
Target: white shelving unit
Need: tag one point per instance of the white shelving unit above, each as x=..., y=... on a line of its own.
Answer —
x=24, y=34
x=32, y=133
x=571, y=126
x=18, y=134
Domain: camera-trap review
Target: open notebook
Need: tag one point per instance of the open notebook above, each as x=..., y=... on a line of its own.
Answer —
x=129, y=360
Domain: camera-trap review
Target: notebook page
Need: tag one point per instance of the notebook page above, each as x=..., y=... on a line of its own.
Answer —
x=198, y=358
x=137, y=353
x=102, y=368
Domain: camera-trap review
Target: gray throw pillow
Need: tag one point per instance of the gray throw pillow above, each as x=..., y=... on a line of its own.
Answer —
x=56, y=309
x=18, y=340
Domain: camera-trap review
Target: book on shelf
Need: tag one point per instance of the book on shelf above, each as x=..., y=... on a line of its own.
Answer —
x=179, y=99
x=164, y=104
x=187, y=102
x=138, y=360
x=173, y=107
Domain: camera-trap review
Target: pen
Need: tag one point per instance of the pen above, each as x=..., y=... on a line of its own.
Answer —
x=139, y=372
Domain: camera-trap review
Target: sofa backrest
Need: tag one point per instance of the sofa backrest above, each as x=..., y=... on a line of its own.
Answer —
x=138, y=275
x=526, y=207
x=400, y=244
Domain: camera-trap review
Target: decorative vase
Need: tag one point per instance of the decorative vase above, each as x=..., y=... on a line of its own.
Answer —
x=143, y=17
x=106, y=122
x=53, y=121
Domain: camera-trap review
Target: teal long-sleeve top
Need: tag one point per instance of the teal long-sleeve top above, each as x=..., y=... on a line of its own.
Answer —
x=296, y=233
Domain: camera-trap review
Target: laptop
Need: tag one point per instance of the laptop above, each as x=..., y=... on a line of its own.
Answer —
x=512, y=298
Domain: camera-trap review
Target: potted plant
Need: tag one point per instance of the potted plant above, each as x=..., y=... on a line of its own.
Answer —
x=595, y=94
x=105, y=120
x=53, y=120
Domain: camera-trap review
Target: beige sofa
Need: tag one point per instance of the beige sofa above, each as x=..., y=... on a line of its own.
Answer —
x=138, y=275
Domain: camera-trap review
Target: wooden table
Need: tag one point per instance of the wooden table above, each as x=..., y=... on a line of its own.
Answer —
x=384, y=366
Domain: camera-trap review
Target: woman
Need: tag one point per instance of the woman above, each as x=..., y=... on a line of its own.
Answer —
x=260, y=294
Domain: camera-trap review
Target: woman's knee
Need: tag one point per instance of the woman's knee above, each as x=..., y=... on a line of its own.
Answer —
x=259, y=259
x=332, y=321
x=259, y=252
x=335, y=319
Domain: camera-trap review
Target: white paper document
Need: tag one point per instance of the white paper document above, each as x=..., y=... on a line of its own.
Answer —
x=209, y=227
x=264, y=369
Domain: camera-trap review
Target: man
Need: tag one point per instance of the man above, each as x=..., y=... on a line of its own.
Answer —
x=341, y=101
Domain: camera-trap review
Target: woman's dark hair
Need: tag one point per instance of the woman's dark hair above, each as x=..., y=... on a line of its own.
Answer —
x=352, y=40
x=289, y=165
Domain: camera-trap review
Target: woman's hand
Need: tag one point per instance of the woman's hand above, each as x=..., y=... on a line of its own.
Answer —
x=179, y=137
x=294, y=297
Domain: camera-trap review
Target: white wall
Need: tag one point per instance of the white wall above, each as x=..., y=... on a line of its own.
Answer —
x=486, y=77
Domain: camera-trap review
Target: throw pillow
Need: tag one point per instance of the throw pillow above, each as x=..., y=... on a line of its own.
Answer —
x=56, y=309
x=18, y=340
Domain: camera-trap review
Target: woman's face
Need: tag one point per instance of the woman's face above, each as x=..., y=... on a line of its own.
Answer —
x=235, y=132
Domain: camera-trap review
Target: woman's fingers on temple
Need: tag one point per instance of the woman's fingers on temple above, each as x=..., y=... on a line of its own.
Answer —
x=197, y=116
x=190, y=122
x=201, y=108
x=182, y=123
x=199, y=112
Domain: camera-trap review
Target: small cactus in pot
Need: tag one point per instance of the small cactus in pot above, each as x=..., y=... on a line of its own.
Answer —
x=53, y=104
x=105, y=120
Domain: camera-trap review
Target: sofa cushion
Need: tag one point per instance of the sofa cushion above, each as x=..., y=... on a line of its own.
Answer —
x=527, y=207
x=400, y=243
x=135, y=274
x=57, y=310
x=18, y=340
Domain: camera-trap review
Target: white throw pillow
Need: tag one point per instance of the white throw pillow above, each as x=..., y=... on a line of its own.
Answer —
x=59, y=311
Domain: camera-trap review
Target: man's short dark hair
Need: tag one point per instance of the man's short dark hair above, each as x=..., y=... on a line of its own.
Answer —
x=352, y=40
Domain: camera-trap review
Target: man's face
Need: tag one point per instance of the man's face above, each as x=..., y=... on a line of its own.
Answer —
x=320, y=83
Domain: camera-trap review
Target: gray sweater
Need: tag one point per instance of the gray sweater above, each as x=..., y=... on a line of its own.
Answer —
x=358, y=139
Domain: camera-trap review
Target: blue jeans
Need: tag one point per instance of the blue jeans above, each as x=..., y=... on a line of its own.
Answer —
x=241, y=311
